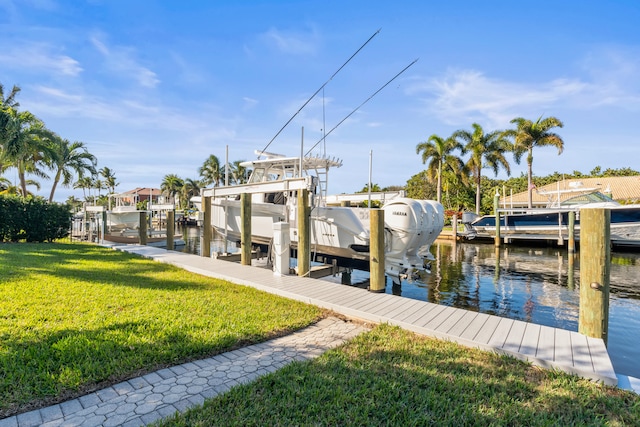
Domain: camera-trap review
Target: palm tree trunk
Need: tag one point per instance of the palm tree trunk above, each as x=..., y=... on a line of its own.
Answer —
x=55, y=184
x=440, y=182
x=478, y=193
x=53, y=190
x=23, y=181
x=530, y=185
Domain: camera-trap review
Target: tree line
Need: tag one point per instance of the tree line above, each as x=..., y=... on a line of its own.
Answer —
x=212, y=172
x=31, y=149
x=457, y=181
x=489, y=150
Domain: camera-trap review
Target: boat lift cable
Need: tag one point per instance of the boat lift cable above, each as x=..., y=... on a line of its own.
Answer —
x=316, y=92
x=358, y=107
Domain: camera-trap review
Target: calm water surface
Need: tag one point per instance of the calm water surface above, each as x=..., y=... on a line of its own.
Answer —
x=539, y=285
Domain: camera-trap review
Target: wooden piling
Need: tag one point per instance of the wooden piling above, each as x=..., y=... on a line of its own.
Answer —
x=377, y=280
x=595, y=251
x=496, y=273
x=454, y=230
x=571, y=271
x=571, y=244
x=304, y=233
x=104, y=225
x=142, y=229
x=496, y=206
x=245, y=232
x=207, y=232
x=171, y=223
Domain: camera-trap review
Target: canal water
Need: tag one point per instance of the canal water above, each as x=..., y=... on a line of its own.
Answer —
x=533, y=284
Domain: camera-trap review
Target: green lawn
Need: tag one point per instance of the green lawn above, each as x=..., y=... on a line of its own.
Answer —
x=393, y=377
x=76, y=317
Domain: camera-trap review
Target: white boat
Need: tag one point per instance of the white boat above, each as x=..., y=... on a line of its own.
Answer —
x=337, y=232
x=123, y=222
x=552, y=222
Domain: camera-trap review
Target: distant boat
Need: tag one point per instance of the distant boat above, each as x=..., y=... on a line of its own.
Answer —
x=337, y=232
x=123, y=222
x=552, y=223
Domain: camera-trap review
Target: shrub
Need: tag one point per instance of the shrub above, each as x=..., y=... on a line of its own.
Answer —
x=32, y=219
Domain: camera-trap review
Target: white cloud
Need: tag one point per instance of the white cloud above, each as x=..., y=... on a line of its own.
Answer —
x=249, y=103
x=294, y=43
x=39, y=57
x=614, y=72
x=609, y=79
x=122, y=60
x=468, y=95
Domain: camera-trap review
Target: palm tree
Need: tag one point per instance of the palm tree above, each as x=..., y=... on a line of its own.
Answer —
x=439, y=150
x=530, y=134
x=190, y=188
x=17, y=190
x=10, y=100
x=109, y=181
x=487, y=150
x=171, y=186
x=4, y=184
x=240, y=173
x=98, y=184
x=70, y=158
x=8, y=107
x=25, y=145
x=210, y=171
x=85, y=183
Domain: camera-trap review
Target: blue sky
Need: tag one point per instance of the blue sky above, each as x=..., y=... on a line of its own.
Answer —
x=153, y=88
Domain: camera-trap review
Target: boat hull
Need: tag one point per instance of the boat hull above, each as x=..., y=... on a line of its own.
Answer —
x=624, y=226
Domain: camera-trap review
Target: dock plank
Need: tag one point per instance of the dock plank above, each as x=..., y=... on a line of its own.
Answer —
x=600, y=358
x=488, y=329
x=421, y=310
x=449, y=322
x=563, y=351
x=394, y=305
x=463, y=324
x=530, y=340
x=514, y=338
x=377, y=305
x=422, y=318
x=501, y=333
x=475, y=327
x=406, y=308
x=546, y=344
x=581, y=354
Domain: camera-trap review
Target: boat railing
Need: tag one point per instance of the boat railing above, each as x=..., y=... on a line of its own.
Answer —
x=288, y=184
x=381, y=196
x=525, y=211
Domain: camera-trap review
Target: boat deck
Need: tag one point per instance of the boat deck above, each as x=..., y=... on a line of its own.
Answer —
x=544, y=346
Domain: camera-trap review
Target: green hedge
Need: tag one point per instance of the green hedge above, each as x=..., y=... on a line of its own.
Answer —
x=32, y=219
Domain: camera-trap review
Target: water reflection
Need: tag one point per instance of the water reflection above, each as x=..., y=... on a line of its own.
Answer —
x=539, y=285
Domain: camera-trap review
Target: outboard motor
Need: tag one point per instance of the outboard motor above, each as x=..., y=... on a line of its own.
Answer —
x=467, y=219
x=411, y=227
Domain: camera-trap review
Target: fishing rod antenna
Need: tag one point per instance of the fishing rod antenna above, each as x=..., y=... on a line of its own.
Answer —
x=321, y=87
x=358, y=107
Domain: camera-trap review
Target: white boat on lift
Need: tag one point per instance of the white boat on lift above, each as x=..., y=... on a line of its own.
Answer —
x=411, y=226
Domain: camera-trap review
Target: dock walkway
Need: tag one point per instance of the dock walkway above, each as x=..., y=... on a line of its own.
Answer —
x=544, y=346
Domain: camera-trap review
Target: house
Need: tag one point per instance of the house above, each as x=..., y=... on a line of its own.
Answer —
x=143, y=194
x=623, y=189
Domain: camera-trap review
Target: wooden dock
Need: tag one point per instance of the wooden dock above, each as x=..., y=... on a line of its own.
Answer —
x=543, y=346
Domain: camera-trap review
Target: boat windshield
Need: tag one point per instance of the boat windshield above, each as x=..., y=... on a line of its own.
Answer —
x=595, y=197
x=263, y=175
